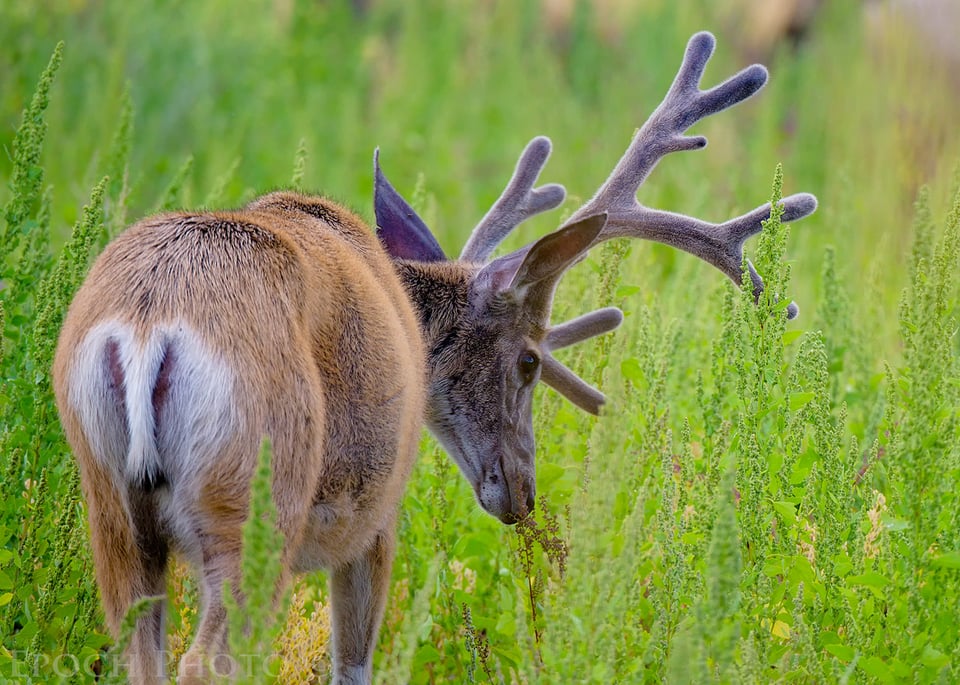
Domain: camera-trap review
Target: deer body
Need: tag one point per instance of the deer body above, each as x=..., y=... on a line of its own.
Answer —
x=196, y=334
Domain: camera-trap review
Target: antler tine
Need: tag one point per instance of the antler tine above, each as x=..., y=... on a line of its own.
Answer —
x=718, y=244
x=583, y=327
x=562, y=379
x=519, y=201
x=684, y=105
x=570, y=385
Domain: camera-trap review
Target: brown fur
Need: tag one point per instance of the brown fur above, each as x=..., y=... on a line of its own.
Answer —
x=294, y=296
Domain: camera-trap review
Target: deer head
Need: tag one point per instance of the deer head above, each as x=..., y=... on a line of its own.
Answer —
x=487, y=323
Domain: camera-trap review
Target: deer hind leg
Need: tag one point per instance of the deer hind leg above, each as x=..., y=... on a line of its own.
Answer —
x=130, y=562
x=358, y=593
x=295, y=442
x=149, y=635
x=222, y=551
x=208, y=655
x=221, y=508
x=129, y=552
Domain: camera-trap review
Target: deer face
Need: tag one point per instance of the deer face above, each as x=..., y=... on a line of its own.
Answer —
x=486, y=329
x=483, y=370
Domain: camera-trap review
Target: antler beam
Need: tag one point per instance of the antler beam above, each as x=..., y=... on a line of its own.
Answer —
x=685, y=104
x=664, y=132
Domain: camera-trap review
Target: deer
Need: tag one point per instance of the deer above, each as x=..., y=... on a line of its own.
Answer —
x=195, y=334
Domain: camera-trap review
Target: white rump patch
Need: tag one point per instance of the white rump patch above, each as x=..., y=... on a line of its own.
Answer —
x=196, y=411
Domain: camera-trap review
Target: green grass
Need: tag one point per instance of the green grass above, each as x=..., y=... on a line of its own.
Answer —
x=761, y=501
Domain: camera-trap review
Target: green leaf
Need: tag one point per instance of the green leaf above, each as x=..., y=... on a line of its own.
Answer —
x=828, y=637
x=96, y=641
x=801, y=571
x=780, y=306
x=547, y=474
x=933, y=658
x=775, y=566
x=842, y=564
x=871, y=580
x=787, y=511
x=842, y=652
x=800, y=399
x=891, y=523
x=506, y=624
x=789, y=336
x=632, y=371
x=875, y=666
x=426, y=654
x=423, y=630
x=947, y=560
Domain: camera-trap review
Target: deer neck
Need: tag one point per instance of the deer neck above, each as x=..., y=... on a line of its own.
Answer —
x=439, y=293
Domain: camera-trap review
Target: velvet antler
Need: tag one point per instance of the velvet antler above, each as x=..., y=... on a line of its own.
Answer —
x=664, y=132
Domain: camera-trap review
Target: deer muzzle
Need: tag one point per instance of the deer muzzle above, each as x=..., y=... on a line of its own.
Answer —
x=506, y=493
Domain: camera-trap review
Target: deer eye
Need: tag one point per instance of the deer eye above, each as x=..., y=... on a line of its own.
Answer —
x=528, y=364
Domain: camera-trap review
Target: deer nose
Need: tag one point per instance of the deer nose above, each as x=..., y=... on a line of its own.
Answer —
x=524, y=501
x=520, y=509
x=508, y=518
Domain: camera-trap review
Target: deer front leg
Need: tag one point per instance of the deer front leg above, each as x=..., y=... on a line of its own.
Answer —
x=358, y=596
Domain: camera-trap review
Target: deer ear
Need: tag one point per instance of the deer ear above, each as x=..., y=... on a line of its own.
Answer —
x=498, y=274
x=401, y=232
x=544, y=261
x=553, y=254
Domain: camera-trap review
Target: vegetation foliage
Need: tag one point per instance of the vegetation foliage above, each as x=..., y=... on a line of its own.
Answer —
x=760, y=502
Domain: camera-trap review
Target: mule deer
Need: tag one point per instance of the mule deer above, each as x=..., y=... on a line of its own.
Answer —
x=197, y=333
